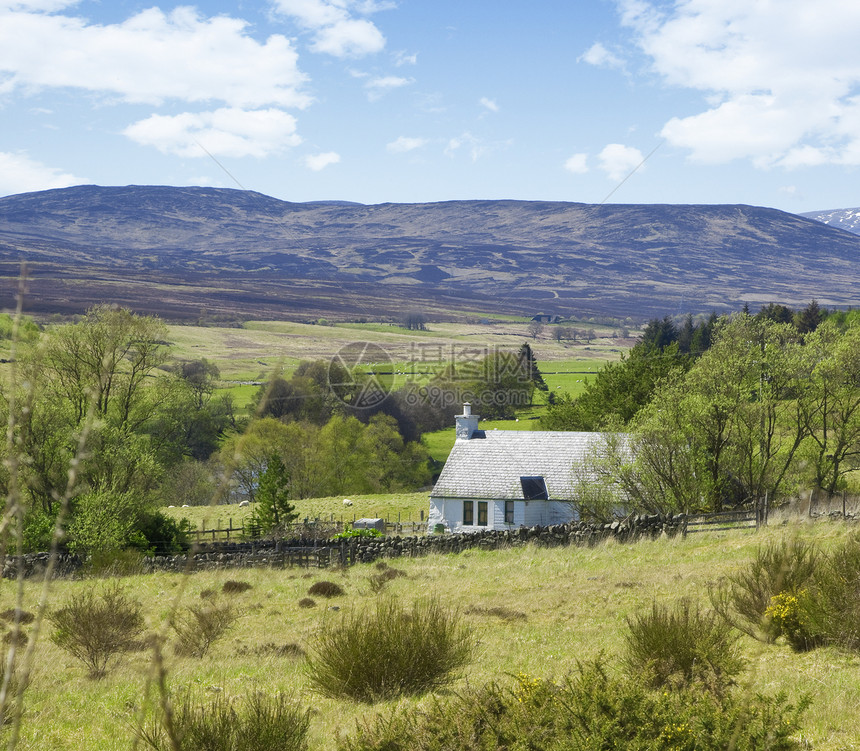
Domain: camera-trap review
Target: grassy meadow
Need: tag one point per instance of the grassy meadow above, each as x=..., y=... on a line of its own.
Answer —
x=535, y=611
x=393, y=507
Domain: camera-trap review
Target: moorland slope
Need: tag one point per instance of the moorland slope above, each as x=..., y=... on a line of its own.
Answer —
x=179, y=250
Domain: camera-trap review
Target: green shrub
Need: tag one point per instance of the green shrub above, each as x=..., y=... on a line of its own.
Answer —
x=38, y=532
x=97, y=627
x=786, y=566
x=349, y=533
x=109, y=521
x=590, y=711
x=113, y=562
x=260, y=723
x=200, y=626
x=830, y=611
x=387, y=652
x=680, y=646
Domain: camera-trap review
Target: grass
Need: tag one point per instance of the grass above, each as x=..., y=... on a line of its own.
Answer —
x=572, y=604
x=406, y=507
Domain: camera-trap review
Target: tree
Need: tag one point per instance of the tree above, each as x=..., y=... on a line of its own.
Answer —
x=659, y=334
x=415, y=322
x=830, y=403
x=618, y=391
x=104, y=361
x=529, y=366
x=273, y=508
x=729, y=429
x=200, y=376
x=808, y=319
x=495, y=385
x=535, y=328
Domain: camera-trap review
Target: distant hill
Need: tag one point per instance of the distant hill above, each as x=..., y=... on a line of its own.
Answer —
x=180, y=251
x=847, y=219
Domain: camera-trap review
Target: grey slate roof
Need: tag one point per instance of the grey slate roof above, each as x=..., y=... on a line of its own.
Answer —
x=491, y=467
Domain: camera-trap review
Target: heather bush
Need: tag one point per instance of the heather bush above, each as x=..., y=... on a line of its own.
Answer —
x=386, y=652
x=259, y=723
x=378, y=581
x=96, y=627
x=682, y=645
x=233, y=587
x=326, y=589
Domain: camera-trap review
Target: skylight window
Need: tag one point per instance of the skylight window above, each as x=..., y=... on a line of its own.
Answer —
x=534, y=489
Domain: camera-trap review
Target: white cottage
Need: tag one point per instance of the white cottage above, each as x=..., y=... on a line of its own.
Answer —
x=504, y=479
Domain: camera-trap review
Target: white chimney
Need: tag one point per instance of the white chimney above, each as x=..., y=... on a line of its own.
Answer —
x=467, y=423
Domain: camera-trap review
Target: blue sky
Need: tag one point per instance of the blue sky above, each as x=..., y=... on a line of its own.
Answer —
x=630, y=101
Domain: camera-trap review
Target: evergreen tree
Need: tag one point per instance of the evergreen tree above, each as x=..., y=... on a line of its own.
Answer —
x=808, y=319
x=528, y=363
x=273, y=507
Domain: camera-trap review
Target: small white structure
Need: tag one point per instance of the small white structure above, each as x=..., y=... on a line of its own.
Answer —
x=505, y=479
x=377, y=524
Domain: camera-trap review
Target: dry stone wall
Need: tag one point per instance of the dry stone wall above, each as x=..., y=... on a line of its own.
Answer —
x=309, y=553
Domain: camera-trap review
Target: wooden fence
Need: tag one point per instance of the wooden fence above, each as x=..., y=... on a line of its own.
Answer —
x=750, y=518
x=247, y=531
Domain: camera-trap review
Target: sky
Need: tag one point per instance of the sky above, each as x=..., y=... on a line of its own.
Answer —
x=373, y=101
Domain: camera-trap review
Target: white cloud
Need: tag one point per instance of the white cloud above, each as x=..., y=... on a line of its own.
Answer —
x=317, y=162
x=378, y=87
x=149, y=58
x=466, y=140
x=577, y=164
x=401, y=59
x=349, y=38
x=617, y=160
x=49, y=6
x=336, y=32
x=781, y=79
x=488, y=104
x=224, y=132
x=601, y=57
x=20, y=174
x=404, y=144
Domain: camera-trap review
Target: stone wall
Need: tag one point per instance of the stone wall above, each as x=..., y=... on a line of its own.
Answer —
x=311, y=554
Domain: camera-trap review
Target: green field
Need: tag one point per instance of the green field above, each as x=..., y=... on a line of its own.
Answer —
x=260, y=348
x=393, y=507
x=571, y=606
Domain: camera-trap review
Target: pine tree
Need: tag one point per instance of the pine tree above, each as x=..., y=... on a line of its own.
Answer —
x=529, y=366
x=273, y=507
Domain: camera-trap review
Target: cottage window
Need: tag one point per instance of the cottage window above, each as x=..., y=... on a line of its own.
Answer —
x=509, y=512
x=468, y=512
x=534, y=488
x=482, y=513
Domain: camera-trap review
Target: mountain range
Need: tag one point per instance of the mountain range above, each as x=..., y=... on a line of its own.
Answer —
x=187, y=253
x=847, y=219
